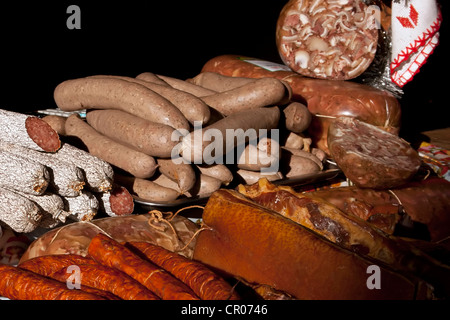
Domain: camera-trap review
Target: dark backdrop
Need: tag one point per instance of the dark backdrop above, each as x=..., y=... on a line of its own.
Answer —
x=174, y=38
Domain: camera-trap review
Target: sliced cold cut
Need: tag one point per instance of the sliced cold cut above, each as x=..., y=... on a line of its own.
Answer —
x=333, y=39
x=371, y=157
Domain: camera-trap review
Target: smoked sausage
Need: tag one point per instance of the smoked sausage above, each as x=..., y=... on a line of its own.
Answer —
x=110, y=93
x=136, y=163
x=112, y=254
x=203, y=281
x=20, y=284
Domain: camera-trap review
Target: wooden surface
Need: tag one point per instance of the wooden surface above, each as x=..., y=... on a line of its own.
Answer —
x=439, y=137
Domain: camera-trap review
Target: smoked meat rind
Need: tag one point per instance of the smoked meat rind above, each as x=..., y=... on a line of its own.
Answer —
x=261, y=246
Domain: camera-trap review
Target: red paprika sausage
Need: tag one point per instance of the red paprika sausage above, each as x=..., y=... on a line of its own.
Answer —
x=112, y=254
x=203, y=281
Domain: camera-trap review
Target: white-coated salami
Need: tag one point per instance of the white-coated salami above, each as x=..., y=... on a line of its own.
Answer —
x=327, y=39
x=66, y=179
x=369, y=156
x=28, y=131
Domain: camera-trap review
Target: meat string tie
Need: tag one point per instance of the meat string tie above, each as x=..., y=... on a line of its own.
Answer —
x=87, y=222
x=157, y=217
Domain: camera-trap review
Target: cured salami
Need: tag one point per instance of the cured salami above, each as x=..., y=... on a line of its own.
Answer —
x=333, y=39
x=99, y=174
x=371, y=157
x=66, y=179
x=18, y=212
x=22, y=174
x=116, y=202
x=83, y=207
x=28, y=131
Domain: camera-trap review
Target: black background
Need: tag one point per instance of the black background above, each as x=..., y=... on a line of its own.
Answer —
x=173, y=38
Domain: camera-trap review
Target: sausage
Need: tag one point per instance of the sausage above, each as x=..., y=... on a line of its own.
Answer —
x=203, y=281
x=304, y=154
x=371, y=157
x=220, y=83
x=297, y=117
x=182, y=173
x=51, y=206
x=147, y=190
x=250, y=177
x=117, y=202
x=196, y=146
x=295, y=141
x=19, y=213
x=192, y=107
x=151, y=77
x=154, y=139
x=334, y=40
x=66, y=179
x=186, y=86
x=99, y=174
x=19, y=284
x=49, y=264
x=297, y=261
x=325, y=99
x=319, y=153
x=256, y=94
x=136, y=163
x=57, y=123
x=109, y=280
x=23, y=174
x=254, y=159
x=118, y=94
x=28, y=131
x=204, y=186
x=293, y=165
x=164, y=181
x=218, y=171
x=110, y=253
x=83, y=207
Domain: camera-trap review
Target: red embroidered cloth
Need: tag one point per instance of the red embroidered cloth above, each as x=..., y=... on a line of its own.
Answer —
x=415, y=34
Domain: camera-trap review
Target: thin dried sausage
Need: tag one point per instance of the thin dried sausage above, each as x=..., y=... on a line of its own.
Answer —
x=20, y=284
x=203, y=281
x=109, y=280
x=109, y=252
x=136, y=163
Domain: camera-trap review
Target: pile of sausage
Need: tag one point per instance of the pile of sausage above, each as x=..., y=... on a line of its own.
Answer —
x=354, y=124
x=114, y=271
x=45, y=181
x=156, y=131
